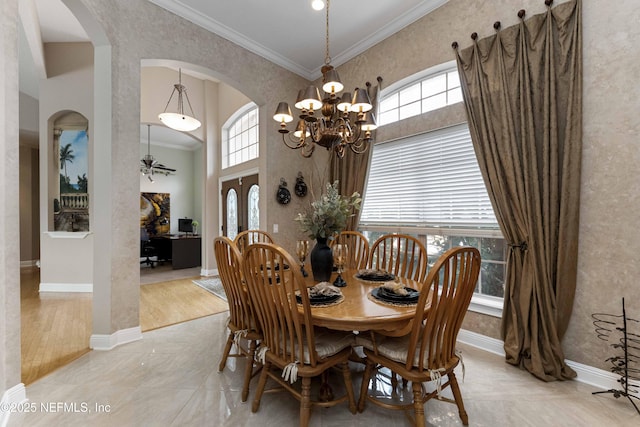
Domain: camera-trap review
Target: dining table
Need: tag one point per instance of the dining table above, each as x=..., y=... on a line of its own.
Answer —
x=359, y=311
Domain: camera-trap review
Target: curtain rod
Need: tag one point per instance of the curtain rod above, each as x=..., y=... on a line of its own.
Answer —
x=497, y=24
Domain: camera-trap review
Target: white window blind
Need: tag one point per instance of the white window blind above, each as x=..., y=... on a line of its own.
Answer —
x=428, y=180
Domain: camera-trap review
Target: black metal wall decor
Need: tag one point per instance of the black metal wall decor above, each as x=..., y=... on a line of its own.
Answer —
x=627, y=346
x=283, y=196
x=301, y=186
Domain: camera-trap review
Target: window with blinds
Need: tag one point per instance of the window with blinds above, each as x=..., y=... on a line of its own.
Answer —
x=427, y=180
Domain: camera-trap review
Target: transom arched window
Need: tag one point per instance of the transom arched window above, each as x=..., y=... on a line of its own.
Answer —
x=240, y=134
x=426, y=91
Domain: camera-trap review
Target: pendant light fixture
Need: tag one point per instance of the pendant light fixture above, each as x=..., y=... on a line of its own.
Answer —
x=344, y=121
x=177, y=119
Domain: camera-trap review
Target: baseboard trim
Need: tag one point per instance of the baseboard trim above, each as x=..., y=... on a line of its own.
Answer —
x=596, y=377
x=13, y=396
x=66, y=287
x=118, y=338
x=207, y=273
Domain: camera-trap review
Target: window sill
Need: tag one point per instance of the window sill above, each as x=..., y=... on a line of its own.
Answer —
x=489, y=306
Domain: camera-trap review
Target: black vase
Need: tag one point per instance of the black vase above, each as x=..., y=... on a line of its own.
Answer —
x=321, y=260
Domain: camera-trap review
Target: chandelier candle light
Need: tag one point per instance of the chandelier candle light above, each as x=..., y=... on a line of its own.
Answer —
x=345, y=121
x=179, y=120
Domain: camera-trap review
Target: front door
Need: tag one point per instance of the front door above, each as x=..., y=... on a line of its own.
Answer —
x=240, y=205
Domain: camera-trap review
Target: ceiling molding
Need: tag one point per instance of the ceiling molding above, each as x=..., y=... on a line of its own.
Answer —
x=178, y=8
x=379, y=34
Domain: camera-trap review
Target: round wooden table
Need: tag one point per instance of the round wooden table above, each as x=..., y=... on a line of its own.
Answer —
x=359, y=313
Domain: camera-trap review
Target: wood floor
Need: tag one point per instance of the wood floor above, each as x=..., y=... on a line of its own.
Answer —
x=56, y=327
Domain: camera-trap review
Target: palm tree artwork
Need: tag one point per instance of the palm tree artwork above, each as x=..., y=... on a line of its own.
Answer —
x=66, y=155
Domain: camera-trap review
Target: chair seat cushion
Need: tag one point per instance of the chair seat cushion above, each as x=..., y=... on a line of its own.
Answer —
x=329, y=342
x=394, y=348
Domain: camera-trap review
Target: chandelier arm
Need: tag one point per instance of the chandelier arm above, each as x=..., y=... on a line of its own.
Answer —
x=315, y=133
x=291, y=142
x=307, y=150
x=360, y=147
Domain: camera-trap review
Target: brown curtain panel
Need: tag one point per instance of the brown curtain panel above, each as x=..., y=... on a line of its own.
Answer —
x=351, y=173
x=522, y=89
x=351, y=170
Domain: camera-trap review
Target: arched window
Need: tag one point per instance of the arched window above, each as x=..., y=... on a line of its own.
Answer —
x=240, y=134
x=426, y=91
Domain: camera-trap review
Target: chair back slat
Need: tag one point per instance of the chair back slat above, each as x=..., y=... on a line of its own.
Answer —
x=357, y=248
x=249, y=237
x=450, y=285
x=400, y=254
x=273, y=283
x=229, y=261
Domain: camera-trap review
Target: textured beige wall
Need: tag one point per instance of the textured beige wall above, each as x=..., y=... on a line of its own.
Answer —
x=9, y=206
x=609, y=239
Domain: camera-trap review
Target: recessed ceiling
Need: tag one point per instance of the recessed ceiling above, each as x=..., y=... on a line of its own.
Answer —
x=292, y=34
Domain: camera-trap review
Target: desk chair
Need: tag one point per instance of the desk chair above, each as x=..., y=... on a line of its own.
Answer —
x=147, y=249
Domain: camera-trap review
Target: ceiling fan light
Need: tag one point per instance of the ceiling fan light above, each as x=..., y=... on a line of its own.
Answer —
x=361, y=102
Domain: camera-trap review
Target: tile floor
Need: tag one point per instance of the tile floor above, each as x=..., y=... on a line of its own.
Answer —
x=170, y=378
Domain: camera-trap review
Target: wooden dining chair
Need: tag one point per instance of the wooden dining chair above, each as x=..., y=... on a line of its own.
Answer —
x=400, y=254
x=242, y=323
x=292, y=348
x=428, y=353
x=248, y=237
x=357, y=248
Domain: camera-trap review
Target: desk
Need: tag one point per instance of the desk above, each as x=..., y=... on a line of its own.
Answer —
x=183, y=251
x=358, y=313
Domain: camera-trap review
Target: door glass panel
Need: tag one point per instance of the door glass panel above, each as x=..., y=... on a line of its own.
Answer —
x=254, y=207
x=232, y=214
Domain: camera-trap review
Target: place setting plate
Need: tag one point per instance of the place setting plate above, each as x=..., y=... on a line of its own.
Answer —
x=374, y=276
x=388, y=296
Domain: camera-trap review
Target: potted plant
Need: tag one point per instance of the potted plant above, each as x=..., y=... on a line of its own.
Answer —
x=327, y=217
x=194, y=225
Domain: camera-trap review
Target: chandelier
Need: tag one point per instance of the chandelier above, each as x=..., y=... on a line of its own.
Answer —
x=344, y=121
x=178, y=120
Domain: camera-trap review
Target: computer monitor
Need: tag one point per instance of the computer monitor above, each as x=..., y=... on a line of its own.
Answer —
x=185, y=225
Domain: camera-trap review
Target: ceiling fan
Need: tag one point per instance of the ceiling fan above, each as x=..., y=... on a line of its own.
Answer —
x=149, y=165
